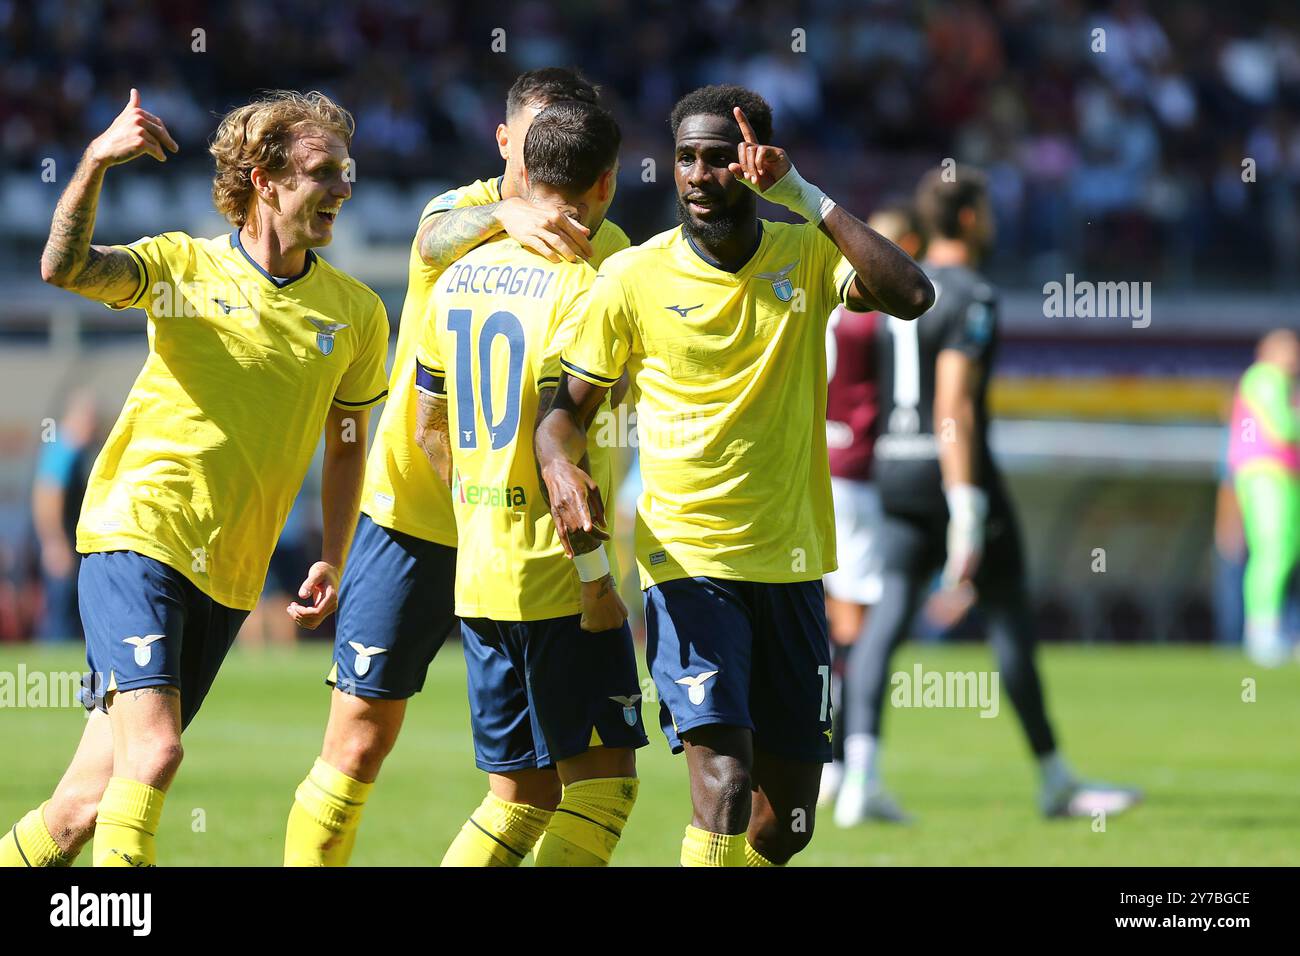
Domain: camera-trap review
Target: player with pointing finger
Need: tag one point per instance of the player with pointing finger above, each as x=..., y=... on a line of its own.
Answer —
x=720, y=325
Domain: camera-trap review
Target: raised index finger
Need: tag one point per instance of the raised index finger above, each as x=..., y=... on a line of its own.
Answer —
x=746, y=130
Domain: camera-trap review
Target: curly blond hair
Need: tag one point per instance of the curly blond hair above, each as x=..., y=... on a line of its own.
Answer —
x=261, y=133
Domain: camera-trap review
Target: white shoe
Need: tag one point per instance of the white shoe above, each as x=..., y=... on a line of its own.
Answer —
x=1074, y=798
x=860, y=801
x=832, y=776
x=1267, y=647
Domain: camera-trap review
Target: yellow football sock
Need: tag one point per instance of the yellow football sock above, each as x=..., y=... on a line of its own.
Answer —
x=588, y=822
x=498, y=833
x=129, y=813
x=324, y=818
x=702, y=848
x=754, y=858
x=28, y=843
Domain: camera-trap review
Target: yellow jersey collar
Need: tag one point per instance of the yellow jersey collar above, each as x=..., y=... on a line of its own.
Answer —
x=712, y=263
x=276, y=281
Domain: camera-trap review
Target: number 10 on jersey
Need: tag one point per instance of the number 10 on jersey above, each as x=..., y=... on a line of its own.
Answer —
x=498, y=325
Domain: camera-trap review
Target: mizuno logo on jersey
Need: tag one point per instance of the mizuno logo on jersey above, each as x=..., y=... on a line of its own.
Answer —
x=695, y=686
x=143, y=647
x=780, y=280
x=226, y=307
x=325, y=333
x=683, y=309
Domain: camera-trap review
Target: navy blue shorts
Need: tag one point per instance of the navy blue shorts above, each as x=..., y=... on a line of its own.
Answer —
x=543, y=691
x=743, y=654
x=147, y=625
x=396, y=604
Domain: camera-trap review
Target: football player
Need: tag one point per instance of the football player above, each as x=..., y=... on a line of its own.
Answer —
x=256, y=345
x=721, y=326
x=946, y=508
x=396, y=603
x=543, y=691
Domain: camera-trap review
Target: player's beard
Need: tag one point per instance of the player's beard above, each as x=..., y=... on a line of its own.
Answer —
x=725, y=220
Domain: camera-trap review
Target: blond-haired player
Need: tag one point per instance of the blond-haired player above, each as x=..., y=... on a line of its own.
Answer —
x=256, y=346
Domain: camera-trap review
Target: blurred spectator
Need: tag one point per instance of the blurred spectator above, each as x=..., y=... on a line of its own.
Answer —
x=61, y=473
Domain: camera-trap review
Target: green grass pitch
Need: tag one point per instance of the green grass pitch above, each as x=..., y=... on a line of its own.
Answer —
x=1220, y=773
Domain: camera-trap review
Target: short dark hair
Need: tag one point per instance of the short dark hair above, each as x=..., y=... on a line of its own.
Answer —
x=543, y=87
x=943, y=194
x=719, y=101
x=570, y=144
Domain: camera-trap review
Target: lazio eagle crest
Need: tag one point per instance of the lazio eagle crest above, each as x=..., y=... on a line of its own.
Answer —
x=781, y=283
x=143, y=647
x=629, y=708
x=325, y=333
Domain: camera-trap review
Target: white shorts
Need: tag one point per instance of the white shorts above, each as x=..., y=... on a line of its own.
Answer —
x=857, y=543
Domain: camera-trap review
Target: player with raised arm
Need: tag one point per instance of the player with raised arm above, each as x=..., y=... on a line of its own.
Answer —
x=396, y=604
x=256, y=345
x=721, y=326
x=945, y=506
x=543, y=690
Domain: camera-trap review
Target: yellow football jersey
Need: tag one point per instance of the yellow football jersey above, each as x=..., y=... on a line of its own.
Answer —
x=729, y=374
x=501, y=315
x=401, y=491
x=219, y=429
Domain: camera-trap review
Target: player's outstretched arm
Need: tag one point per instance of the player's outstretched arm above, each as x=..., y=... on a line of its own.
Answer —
x=887, y=277
x=70, y=261
x=545, y=229
x=433, y=432
x=342, y=473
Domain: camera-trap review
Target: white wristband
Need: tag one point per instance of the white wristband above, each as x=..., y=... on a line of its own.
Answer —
x=968, y=505
x=798, y=195
x=591, y=566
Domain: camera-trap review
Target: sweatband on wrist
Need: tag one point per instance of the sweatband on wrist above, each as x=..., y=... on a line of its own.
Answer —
x=967, y=503
x=592, y=566
x=798, y=195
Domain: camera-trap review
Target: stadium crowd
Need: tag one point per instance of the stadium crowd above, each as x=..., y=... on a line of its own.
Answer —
x=1123, y=147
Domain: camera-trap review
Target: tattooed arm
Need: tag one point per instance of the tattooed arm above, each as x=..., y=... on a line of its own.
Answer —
x=545, y=229
x=432, y=432
x=69, y=260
